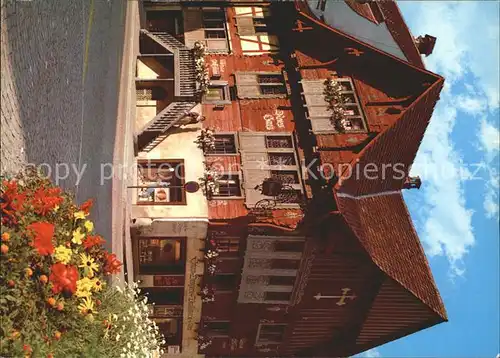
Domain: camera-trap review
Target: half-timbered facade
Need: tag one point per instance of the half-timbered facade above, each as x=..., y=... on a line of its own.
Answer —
x=300, y=127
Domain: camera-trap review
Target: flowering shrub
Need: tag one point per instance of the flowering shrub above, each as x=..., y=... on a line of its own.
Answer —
x=54, y=295
x=333, y=96
x=200, y=67
x=206, y=140
x=204, y=342
x=209, y=181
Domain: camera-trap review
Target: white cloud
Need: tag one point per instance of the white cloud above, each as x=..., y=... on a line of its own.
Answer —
x=490, y=203
x=447, y=228
x=467, y=41
x=372, y=353
x=467, y=55
x=489, y=138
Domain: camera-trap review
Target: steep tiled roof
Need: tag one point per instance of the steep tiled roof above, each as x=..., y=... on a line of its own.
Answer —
x=393, y=151
x=400, y=32
x=392, y=18
x=384, y=227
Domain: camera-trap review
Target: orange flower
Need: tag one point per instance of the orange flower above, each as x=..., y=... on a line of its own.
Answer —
x=46, y=199
x=92, y=240
x=60, y=306
x=43, y=279
x=50, y=355
x=63, y=278
x=15, y=334
x=28, y=271
x=27, y=348
x=43, y=237
x=51, y=301
x=57, y=335
x=112, y=265
x=11, y=283
x=4, y=248
x=11, y=202
x=86, y=206
x=5, y=236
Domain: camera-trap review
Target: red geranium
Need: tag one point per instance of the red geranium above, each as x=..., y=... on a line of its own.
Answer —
x=43, y=237
x=63, y=278
x=86, y=206
x=46, y=199
x=92, y=240
x=11, y=202
x=112, y=264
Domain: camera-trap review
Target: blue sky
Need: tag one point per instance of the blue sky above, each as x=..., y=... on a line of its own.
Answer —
x=456, y=210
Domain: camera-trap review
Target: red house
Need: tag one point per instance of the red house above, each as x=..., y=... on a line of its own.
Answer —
x=313, y=114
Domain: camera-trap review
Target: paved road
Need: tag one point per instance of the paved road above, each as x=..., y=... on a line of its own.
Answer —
x=52, y=114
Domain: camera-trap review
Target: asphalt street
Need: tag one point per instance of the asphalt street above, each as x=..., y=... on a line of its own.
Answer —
x=65, y=60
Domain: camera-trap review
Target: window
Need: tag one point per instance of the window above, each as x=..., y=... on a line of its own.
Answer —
x=320, y=114
x=286, y=176
x=289, y=246
x=284, y=264
x=229, y=185
x=214, y=25
x=228, y=244
x=150, y=94
x=269, y=156
x=282, y=280
x=217, y=328
x=161, y=256
x=227, y=282
x=260, y=85
x=278, y=296
x=271, y=84
x=270, y=333
x=281, y=159
x=164, y=296
x=217, y=93
x=161, y=182
x=224, y=144
x=279, y=142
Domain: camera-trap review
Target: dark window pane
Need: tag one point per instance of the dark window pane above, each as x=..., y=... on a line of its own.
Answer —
x=279, y=142
x=161, y=256
x=273, y=89
x=213, y=15
x=278, y=296
x=229, y=185
x=289, y=246
x=215, y=34
x=278, y=79
x=282, y=280
x=280, y=159
x=162, y=296
x=224, y=144
x=285, y=264
x=286, y=176
x=213, y=24
x=228, y=244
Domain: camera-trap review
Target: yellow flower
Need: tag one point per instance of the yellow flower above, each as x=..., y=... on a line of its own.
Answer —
x=80, y=215
x=88, y=264
x=89, y=225
x=56, y=208
x=77, y=236
x=83, y=287
x=87, y=306
x=63, y=254
x=97, y=285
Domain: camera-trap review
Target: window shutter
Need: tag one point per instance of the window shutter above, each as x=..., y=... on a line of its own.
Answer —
x=247, y=85
x=193, y=27
x=319, y=113
x=245, y=26
x=254, y=164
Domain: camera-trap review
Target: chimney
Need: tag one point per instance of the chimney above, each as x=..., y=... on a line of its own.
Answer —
x=425, y=44
x=412, y=183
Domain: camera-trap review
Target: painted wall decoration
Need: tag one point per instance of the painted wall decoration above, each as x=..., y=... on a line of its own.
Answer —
x=277, y=118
